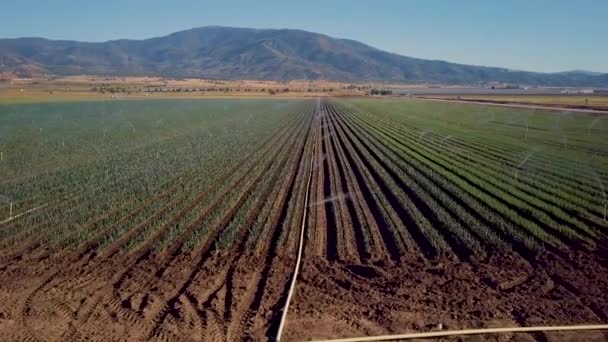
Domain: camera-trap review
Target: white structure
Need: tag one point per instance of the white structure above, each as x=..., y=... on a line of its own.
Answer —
x=577, y=91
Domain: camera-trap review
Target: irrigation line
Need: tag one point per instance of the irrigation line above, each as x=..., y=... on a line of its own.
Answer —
x=470, y=332
x=23, y=213
x=300, y=248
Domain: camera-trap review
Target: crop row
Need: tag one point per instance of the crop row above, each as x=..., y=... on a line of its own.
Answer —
x=136, y=197
x=426, y=196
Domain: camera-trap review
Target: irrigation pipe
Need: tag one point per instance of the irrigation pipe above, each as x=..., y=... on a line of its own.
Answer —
x=23, y=213
x=471, y=332
x=300, y=247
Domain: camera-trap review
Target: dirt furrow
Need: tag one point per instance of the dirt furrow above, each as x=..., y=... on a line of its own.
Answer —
x=359, y=236
x=319, y=233
x=332, y=220
x=341, y=197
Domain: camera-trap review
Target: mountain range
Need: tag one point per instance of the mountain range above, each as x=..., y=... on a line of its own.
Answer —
x=258, y=54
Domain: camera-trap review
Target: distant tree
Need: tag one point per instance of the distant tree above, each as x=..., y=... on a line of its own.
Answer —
x=380, y=92
x=271, y=91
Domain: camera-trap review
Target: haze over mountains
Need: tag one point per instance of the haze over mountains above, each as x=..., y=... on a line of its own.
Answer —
x=261, y=54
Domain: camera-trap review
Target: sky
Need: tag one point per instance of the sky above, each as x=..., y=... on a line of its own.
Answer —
x=534, y=35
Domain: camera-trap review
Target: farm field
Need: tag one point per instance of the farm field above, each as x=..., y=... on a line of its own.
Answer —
x=91, y=88
x=180, y=219
x=594, y=102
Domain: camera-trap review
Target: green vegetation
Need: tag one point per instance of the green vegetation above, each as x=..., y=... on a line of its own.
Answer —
x=394, y=176
x=380, y=92
x=103, y=170
x=472, y=178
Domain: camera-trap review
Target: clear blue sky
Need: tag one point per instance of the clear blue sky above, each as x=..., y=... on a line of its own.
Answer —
x=538, y=35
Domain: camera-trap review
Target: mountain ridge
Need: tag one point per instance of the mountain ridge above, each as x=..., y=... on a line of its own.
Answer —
x=219, y=52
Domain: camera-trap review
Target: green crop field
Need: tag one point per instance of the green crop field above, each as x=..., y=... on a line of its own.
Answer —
x=466, y=176
x=488, y=174
x=81, y=160
x=168, y=219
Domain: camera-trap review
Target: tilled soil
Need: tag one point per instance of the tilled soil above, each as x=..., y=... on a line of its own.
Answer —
x=55, y=298
x=417, y=295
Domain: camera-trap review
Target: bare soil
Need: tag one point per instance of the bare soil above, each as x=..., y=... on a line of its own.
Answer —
x=53, y=297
